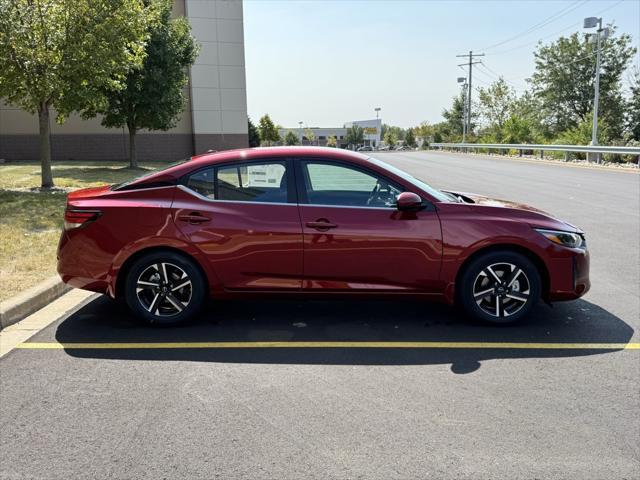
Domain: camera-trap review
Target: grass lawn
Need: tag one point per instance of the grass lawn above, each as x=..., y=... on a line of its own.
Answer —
x=30, y=220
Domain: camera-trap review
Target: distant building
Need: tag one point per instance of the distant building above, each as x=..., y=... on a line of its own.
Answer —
x=215, y=117
x=371, y=128
x=320, y=135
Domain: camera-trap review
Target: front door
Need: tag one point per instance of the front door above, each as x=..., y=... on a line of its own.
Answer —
x=354, y=237
x=244, y=218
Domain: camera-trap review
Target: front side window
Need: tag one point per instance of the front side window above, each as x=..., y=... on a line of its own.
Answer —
x=243, y=182
x=341, y=185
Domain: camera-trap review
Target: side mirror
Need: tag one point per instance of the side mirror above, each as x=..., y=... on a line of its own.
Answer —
x=408, y=201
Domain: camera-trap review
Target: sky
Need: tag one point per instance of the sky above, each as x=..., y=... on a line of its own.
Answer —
x=332, y=61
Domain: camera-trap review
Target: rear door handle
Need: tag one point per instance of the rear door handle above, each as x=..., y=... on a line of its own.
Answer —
x=193, y=218
x=321, y=225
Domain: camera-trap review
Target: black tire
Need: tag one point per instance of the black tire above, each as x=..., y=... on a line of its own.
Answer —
x=163, y=305
x=506, y=301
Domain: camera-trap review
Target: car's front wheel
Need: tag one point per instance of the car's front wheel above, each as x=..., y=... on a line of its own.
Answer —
x=500, y=287
x=164, y=288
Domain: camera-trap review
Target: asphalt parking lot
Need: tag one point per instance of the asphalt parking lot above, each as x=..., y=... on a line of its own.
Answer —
x=379, y=405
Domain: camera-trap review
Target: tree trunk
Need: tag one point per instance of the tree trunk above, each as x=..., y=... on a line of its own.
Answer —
x=45, y=146
x=133, y=159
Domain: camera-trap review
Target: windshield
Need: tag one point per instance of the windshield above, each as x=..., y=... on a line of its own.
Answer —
x=120, y=186
x=435, y=193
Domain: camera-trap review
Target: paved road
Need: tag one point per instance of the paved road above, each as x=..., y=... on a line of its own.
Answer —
x=353, y=412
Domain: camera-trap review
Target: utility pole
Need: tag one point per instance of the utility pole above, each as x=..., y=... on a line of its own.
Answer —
x=470, y=64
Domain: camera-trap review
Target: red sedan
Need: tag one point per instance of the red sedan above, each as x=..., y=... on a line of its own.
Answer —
x=312, y=221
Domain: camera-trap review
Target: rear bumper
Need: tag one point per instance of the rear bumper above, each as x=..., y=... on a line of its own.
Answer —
x=76, y=260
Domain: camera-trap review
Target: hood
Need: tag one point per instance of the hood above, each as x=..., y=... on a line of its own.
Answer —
x=534, y=216
x=477, y=199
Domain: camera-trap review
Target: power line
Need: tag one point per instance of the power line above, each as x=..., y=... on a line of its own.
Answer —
x=496, y=76
x=573, y=25
x=561, y=13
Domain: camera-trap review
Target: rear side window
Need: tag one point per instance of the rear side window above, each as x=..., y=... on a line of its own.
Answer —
x=202, y=182
x=243, y=182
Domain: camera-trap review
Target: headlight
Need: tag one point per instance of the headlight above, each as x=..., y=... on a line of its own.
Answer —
x=566, y=239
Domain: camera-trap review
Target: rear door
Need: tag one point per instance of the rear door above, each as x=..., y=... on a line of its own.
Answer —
x=244, y=217
x=354, y=237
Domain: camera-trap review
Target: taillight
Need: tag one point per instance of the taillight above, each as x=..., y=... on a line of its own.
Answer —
x=77, y=218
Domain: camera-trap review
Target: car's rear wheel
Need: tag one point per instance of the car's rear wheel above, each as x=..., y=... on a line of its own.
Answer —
x=164, y=288
x=500, y=287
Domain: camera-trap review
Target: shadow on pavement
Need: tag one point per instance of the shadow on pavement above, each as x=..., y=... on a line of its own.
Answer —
x=104, y=321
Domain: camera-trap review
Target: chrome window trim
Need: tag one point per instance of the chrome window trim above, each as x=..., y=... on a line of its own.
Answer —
x=346, y=206
x=186, y=189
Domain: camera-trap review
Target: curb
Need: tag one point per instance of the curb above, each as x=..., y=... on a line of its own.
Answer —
x=30, y=301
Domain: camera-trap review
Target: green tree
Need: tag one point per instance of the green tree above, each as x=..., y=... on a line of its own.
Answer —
x=495, y=105
x=425, y=131
x=309, y=135
x=64, y=54
x=517, y=129
x=454, y=118
x=355, y=135
x=410, y=138
x=391, y=137
x=153, y=98
x=332, y=141
x=581, y=133
x=291, y=138
x=398, y=132
x=563, y=81
x=633, y=107
x=268, y=131
x=254, y=135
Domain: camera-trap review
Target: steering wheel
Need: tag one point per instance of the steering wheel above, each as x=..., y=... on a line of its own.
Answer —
x=376, y=195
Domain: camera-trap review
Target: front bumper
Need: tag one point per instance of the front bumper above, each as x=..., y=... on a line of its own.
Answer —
x=571, y=278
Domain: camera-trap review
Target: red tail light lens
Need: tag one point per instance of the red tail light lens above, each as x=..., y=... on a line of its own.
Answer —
x=77, y=218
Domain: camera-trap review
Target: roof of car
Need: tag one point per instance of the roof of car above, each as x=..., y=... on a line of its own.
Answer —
x=267, y=152
x=249, y=154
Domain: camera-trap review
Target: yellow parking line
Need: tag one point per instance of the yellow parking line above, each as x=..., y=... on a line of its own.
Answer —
x=214, y=345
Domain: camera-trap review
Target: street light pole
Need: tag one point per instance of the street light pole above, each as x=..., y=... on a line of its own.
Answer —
x=300, y=131
x=596, y=95
x=377, y=109
x=463, y=80
x=601, y=33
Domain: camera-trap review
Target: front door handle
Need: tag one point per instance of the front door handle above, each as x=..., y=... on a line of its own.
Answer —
x=193, y=218
x=321, y=224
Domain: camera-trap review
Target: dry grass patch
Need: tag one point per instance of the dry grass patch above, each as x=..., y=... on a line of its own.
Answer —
x=30, y=220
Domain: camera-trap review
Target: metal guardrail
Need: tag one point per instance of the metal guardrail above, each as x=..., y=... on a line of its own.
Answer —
x=622, y=150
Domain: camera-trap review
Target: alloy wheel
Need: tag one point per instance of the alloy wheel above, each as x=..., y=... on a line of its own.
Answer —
x=501, y=289
x=164, y=289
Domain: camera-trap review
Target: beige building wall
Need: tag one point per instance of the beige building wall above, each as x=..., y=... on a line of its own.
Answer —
x=215, y=115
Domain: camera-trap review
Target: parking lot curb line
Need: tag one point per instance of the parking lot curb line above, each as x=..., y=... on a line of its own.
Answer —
x=222, y=345
x=30, y=301
x=59, y=309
